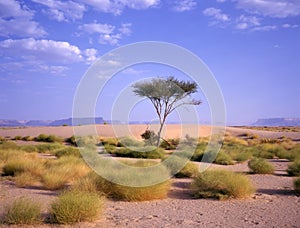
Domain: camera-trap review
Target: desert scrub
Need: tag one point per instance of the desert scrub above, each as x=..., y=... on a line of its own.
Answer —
x=48, y=138
x=140, y=152
x=221, y=184
x=75, y=206
x=22, y=211
x=294, y=168
x=68, y=151
x=297, y=185
x=260, y=166
x=181, y=167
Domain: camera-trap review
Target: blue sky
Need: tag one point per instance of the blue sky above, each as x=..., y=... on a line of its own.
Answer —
x=251, y=46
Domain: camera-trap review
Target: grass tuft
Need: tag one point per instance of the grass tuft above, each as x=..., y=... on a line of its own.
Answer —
x=22, y=212
x=260, y=166
x=75, y=206
x=221, y=184
x=294, y=169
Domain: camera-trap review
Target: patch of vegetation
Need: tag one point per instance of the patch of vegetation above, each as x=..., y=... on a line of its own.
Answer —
x=129, y=142
x=140, y=152
x=297, y=185
x=75, y=206
x=22, y=211
x=48, y=138
x=260, y=166
x=169, y=144
x=174, y=165
x=294, y=168
x=68, y=151
x=221, y=184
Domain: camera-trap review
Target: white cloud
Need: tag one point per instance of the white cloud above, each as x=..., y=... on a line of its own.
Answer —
x=116, y=7
x=184, y=5
x=289, y=26
x=108, y=34
x=63, y=10
x=97, y=28
x=16, y=19
x=245, y=22
x=271, y=8
x=265, y=28
x=49, y=51
x=216, y=14
x=221, y=1
x=91, y=55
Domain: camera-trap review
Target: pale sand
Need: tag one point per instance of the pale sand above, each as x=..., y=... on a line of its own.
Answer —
x=274, y=204
x=170, y=131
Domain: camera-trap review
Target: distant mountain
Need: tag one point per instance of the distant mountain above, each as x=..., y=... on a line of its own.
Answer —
x=277, y=122
x=69, y=122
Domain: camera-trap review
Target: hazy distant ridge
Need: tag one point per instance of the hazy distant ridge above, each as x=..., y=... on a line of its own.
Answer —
x=69, y=122
x=277, y=122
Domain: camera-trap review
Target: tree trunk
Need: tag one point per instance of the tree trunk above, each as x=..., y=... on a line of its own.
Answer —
x=159, y=133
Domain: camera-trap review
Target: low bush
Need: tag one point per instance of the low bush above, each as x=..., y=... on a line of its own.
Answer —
x=27, y=138
x=140, y=152
x=48, y=138
x=129, y=142
x=109, y=141
x=75, y=206
x=17, y=137
x=27, y=179
x=22, y=211
x=260, y=166
x=13, y=167
x=294, y=168
x=169, y=144
x=8, y=145
x=68, y=151
x=221, y=184
x=71, y=140
x=297, y=185
x=223, y=159
x=180, y=167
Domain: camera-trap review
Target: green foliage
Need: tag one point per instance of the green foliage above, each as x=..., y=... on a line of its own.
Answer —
x=294, y=168
x=140, y=152
x=13, y=167
x=129, y=142
x=297, y=185
x=260, y=166
x=48, y=138
x=71, y=140
x=150, y=138
x=68, y=151
x=17, y=137
x=8, y=145
x=169, y=144
x=22, y=212
x=27, y=138
x=221, y=184
x=180, y=167
x=75, y=206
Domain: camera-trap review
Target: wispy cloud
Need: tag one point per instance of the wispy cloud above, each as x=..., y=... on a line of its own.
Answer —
x=44, y=53
x=17, y=20
x=63, y=10
x=184, y=5
x=265, y=28
x=108, y=34
x=117, y=7
x=216, y=14
x=246, y=22
x=271, y=8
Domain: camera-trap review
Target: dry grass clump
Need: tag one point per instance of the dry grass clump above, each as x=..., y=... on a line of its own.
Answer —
x=294, y=168
x=260, y=166
x=221, y=184
x=181, y=167
x=22, y=211
x=76, y=206
x=297, y=185
x=48, y=138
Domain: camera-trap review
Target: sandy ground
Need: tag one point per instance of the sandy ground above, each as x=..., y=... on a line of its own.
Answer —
x=170, y=131
x=274, y=204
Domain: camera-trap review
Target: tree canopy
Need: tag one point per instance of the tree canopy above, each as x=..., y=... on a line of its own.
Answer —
x=166, y=94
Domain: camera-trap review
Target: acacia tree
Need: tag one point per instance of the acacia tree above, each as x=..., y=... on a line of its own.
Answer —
x=166, y=95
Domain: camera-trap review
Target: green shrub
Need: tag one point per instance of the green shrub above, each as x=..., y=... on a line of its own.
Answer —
x=175, y=163
x=48, y=138
x=294, y=169
x=140, y=152
x=17, y=137
x=26, y=179
x=8, y=145
x=169, y=144
x=71, y=140
x=129, y=142
x=22, y=211
x=221, y=184
x=260, y=166
x=297, y=185
x=68, y=151
x=72, y=207
x=223, y=159
x=27, y=138
x=110, y=141
x=109, y=148
x=13, y=167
